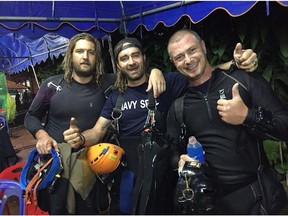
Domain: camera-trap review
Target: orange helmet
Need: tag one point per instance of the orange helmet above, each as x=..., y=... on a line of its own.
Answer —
x=104, y=158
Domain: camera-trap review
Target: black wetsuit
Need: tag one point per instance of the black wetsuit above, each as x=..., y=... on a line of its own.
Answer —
x=230, y=151
x=82, y=101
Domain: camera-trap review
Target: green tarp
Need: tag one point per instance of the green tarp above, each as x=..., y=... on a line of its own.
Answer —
x=7, y=103
x=3, y=95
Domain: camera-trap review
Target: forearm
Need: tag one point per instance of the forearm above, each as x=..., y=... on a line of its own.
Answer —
x=267, y=125
x=92, y=137
x=96, y=134
x=225, y=66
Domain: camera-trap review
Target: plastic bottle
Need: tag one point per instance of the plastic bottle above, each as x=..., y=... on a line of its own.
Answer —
x=195, y=149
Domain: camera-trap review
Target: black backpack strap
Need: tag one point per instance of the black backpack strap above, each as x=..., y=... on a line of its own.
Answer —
x=117, y=112
x=179, y=113
x=107, y=84
x=112, y=133
x=151, y=101
x=150, y=120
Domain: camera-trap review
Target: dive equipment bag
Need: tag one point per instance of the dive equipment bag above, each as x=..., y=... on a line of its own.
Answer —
x=195, y=192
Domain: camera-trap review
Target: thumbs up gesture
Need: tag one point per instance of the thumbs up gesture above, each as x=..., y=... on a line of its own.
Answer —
x=233, y=111
x=73, y=123
x=71, y=135
x=245, y=59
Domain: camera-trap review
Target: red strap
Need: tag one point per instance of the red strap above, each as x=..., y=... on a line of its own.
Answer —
x=35, y=192
x=35, y=181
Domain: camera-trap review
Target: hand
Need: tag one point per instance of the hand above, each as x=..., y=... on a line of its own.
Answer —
x=183, y=159
x=245, y=59
x=233, y=111
x=72, y=136
x=157, y=82
x=44, y=142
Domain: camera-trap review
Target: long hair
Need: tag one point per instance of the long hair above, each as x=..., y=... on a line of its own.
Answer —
x=67, y=64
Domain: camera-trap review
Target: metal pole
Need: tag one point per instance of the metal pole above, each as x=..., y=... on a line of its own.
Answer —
x=112, y=54
x=35, y=75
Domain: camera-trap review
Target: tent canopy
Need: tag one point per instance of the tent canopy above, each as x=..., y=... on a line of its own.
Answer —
x=17, y=53
x=30, y=31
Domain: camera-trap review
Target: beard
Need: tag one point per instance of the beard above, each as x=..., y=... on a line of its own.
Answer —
x=84, y=72
x=135, y=77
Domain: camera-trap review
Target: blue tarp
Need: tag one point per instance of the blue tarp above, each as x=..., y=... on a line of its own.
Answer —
x=18, y=53
x=26, y=23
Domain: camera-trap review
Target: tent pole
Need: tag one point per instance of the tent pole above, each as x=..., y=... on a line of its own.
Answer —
x=111, y=54
x=35, y=75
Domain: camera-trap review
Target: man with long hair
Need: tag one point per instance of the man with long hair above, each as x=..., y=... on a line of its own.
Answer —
x=79, y=93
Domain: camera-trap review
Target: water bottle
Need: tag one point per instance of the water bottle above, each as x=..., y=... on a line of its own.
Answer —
x=195, y=149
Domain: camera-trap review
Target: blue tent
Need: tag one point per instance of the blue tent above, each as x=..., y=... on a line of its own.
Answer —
x=31, y=31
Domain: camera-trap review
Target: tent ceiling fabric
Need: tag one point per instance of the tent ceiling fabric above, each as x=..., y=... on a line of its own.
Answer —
x=33, y=18
x=18, y=53
x=26, y=27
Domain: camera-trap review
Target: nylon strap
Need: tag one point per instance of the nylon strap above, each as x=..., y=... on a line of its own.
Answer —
x=179, y=104
x=127, y=182
x=149, y=156
x=146, y=154
x=117, y=112
x=150, y=120
x=151, y=101
x=139, y=180
x=34, y=182
x=179, y=114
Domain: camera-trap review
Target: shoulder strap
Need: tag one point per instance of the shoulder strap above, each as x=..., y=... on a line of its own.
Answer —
x=151, y=101
x=179, y=113
x=117, y=112
x=107, y=84
x=179, y=103
x=150, y=120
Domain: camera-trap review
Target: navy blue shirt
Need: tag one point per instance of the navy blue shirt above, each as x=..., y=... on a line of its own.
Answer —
x=134, y=107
